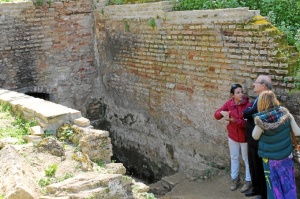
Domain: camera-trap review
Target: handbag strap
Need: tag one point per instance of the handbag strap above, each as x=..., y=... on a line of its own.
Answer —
x=295, y=142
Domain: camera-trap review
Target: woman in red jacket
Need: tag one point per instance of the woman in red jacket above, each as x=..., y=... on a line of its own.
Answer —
x=232, y=111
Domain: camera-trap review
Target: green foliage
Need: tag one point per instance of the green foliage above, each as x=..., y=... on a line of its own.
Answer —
x=49, y=2
x=66, y=176
x=42, y=2
x=51, y=179
x=65, y=132
x=150, y=196
x=100, y=163
x=119, y=2
x=135, y=188
x=204, y=4
x=284, y=14
x=5, y=107
x=297, y=40
x=51, y=170
x=24, y=125
x=44, y=182
x=152, y=23
x=115, y=2
x=77, y=149
x=38, y=2
x=126, y=26
x=17, y=127
x=2, y=196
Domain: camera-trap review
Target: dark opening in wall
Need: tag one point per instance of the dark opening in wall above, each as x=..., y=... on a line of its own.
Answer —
x=44, y=96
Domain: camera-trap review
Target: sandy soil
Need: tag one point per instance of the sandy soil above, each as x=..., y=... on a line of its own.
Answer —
x=216, y=188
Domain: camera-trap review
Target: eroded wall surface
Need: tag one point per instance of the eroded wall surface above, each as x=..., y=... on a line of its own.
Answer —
x=48, y=49
x=151, y=76
x=165, y=73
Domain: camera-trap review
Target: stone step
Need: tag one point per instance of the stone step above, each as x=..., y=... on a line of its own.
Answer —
x=170, y=181
x=92, y=193
x=83, y=182
x=54, y=197
x=158, y=188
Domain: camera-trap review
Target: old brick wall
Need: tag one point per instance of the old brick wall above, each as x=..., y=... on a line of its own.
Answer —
x=165, y=73
x=150, y=76
x=48, y=49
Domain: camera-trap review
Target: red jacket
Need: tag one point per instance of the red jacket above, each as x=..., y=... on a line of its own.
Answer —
x=236, y=130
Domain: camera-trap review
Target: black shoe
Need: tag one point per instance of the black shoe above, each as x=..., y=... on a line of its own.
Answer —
x=258, y=197
x=251, y=193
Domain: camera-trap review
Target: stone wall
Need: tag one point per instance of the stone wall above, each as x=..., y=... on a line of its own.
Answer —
x=151, y=76
x=48, y=49
x=165, y=73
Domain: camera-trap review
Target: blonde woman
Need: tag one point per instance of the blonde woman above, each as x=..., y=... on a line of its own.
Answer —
x=273, y=130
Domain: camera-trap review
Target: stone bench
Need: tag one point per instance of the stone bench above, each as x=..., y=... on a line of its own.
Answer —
x=49, y=115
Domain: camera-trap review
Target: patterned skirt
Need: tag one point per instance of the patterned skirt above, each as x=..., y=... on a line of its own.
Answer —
x=280, y=178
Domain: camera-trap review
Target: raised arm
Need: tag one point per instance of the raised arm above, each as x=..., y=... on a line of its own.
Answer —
x=221, y=112
x=248, y=112
x=294, y=126
x=256, y=133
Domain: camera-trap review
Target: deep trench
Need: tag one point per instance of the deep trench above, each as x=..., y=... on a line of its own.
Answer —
x=135, y=163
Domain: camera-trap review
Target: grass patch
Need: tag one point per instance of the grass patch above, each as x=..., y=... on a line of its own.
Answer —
x=13, y=126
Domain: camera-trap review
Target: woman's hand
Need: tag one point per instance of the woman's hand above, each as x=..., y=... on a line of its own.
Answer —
x=225, y=114
x=231, y=119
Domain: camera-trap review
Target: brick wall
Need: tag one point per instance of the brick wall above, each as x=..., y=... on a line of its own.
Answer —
x=150, y=76
x=48, y=49
x=167, y=72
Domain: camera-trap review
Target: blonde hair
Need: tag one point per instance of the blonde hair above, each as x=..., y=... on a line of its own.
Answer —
x=267, y=100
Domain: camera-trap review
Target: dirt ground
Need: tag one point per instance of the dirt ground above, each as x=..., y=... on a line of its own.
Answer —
x=216, y=188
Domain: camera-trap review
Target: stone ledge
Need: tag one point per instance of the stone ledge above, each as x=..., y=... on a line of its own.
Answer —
x=49, y=115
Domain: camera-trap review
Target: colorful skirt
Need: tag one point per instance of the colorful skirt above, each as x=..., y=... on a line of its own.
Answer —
x=280, y=178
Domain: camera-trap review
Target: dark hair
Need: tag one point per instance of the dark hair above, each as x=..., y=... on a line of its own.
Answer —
x=234, y=86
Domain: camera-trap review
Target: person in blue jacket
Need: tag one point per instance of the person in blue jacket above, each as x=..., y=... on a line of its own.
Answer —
x=259, y=189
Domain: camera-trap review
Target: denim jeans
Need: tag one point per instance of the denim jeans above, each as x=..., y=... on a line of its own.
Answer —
x=234, y=148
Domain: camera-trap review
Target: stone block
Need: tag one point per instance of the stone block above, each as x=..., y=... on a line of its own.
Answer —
x=20, y=180
x=82, y=122
x=36, y=130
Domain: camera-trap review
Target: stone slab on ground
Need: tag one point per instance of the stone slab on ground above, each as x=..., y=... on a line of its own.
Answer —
x=170, y=181
x=19, y=179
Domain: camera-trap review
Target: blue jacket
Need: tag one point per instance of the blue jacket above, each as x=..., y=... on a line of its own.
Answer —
x=248, y=115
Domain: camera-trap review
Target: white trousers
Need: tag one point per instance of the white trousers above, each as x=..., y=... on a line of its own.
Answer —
x=234, y=148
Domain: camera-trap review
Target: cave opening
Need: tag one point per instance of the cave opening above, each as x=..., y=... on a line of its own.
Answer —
x=44, y=96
